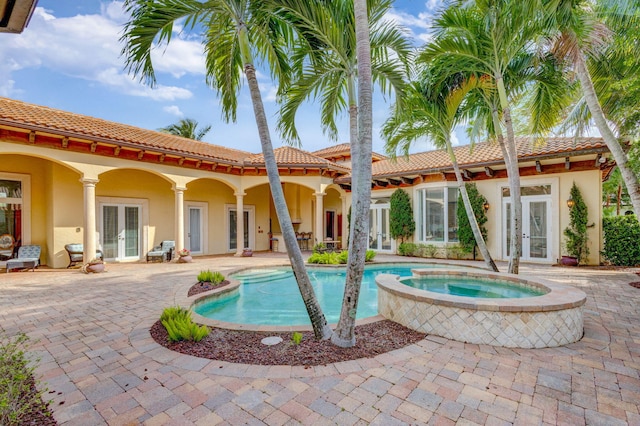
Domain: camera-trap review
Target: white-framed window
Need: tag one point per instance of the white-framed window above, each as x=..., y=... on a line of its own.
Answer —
x=436, y=217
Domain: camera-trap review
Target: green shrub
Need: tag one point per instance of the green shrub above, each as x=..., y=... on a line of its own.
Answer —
x=319, y=248
x=210, y=277
x=576, y=236
x=296, y=338
x=428, y=250
x=621, y=236
x=369, y=256
x=343, y=257
x=17, y=395
x=326, y=258
x=179, y=325
x=455, y=251
x=408, y=249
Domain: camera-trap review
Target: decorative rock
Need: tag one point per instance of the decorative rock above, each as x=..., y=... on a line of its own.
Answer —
x=271, y=340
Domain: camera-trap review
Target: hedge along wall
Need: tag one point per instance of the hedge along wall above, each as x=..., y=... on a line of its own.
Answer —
x=621, y=240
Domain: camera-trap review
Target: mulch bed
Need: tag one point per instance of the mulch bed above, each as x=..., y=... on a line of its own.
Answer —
x=39, y=413
x=205, y=286
x=246, y=347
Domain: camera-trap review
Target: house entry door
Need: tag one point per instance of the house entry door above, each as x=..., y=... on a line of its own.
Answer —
x=536, y=229
x=247, y=240
x=194, y=229
x=379, y=236
x=120, y=225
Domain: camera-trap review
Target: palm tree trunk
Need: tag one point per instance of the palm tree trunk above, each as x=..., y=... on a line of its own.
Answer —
x=513, y=172
x=321, y=328
x=482, y=246
x=622, y=161
x=344, y=335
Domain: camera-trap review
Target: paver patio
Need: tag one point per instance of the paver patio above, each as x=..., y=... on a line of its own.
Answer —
x=103, y=367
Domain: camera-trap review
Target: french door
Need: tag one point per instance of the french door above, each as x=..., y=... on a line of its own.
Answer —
x=195, y=228
x=121, y=231
x=379, y=236
x=536, y=228
x=247, y=239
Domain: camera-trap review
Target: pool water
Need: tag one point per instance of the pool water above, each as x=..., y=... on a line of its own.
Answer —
x=270, y=296
x=472, y=287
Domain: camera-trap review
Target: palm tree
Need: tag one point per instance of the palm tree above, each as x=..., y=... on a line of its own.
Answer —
x=328, y=61
x=434, y=111
x=578, y=34
x=235, y=30
x=187, y=128
x=486, y=38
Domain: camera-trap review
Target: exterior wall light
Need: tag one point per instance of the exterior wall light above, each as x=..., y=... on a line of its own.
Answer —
x=486, y=206
x=570, y=203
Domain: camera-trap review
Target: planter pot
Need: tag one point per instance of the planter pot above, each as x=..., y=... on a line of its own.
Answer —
x=569, y=261
x=94, y=267
x=247, y=253
x=185, y=259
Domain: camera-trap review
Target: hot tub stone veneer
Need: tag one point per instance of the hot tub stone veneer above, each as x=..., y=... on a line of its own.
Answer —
x=553, y=319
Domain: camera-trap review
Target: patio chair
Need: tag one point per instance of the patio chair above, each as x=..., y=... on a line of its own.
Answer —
x=28, y=258
x=162, y=252
x=76, y=253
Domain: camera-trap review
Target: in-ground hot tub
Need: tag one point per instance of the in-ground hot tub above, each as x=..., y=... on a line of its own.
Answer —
x=548, y=320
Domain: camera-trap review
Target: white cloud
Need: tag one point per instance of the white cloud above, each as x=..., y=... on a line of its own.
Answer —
x=173, y=110
x=88, y=47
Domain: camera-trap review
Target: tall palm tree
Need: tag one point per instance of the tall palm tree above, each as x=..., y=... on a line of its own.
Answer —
x=485, y=38
x=328, y=59
x=234, y=31
x=578, y=33
x=187, y=128
x=434, y=112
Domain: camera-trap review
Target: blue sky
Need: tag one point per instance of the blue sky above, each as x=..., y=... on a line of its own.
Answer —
x=69, y=58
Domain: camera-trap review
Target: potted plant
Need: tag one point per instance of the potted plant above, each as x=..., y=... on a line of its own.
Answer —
x=184, y=256
x=576, y=237
x=95, y=265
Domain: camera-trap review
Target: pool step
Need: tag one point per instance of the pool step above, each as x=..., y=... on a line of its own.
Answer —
x=262, y=275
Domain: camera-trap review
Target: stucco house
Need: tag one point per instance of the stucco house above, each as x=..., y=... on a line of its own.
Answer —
x=62, y=174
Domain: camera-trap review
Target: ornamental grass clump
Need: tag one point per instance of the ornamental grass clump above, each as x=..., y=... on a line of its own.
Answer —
x=18, y=392
x=210, y=277
x=179, y=325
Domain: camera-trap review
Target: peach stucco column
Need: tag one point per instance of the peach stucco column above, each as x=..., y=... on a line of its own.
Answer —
x=89, y=244
x=345, y=222
x=239, y=222
x=319, y=228
x=179, y=225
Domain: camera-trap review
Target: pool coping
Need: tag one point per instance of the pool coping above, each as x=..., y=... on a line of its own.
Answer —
x=189, y=302
x=559, y=297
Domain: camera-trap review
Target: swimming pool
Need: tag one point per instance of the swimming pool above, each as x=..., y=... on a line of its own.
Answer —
x=270, y=296
x=476, y=287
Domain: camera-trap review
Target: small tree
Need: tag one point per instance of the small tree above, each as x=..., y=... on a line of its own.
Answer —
x=401, y=222
x=465, y=233
x=576, y=233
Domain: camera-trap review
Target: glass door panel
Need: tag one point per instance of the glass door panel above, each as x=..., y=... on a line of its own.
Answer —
x=194, y=234
x=373, y=228
x=110, y=231
x=131, y=232
x=537, y=236
x=385, y=236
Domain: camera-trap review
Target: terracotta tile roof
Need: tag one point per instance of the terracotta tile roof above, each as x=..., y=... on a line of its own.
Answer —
x=483, y=154
x=289, y=156
x=36, y=117
x=343, y=149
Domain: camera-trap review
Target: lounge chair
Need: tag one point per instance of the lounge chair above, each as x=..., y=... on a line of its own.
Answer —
x=28, y=258
x=162, y=252
x=76, y=253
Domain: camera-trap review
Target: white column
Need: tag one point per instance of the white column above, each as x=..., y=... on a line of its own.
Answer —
x=179, y=225
x=319, y=228
x=345, y=222
x=239, y=222
x=89, y=244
